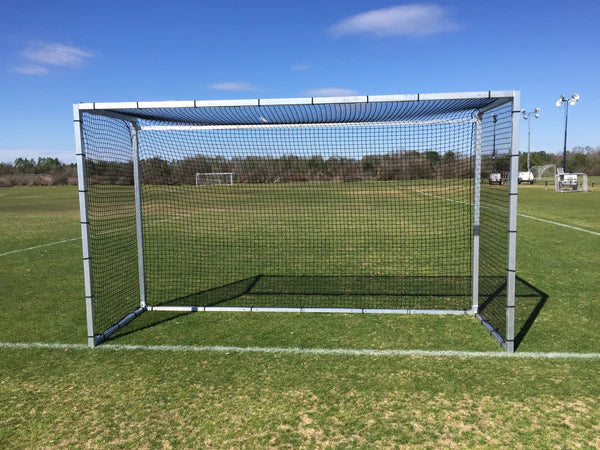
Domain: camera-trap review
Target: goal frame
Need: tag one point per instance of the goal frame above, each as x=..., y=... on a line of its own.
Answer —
x=96, y=337
x=562, y=187
x=229, y=174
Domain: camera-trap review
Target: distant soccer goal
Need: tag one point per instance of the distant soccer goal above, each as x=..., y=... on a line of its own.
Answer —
x=203, y=179
x=571, y=182
x=544, y=171
x=378, y=204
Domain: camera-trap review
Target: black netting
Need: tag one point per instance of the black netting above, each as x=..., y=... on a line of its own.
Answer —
x=370, y=206
x=322, y=113
x=314, y=205
x=496, y=145
x=111, y=211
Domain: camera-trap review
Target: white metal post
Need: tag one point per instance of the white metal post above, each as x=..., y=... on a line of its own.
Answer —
x=137, y=185
x=476, y=215
x=512, y=226
x=82, y=187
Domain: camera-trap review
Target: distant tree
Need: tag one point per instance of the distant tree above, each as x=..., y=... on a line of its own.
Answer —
x=47, y=165
x=6, y=169
x=24, y=165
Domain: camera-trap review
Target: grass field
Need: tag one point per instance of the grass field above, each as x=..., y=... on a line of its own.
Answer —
x=188, y=396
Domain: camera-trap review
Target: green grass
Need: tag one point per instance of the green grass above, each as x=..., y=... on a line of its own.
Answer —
x=161, y=399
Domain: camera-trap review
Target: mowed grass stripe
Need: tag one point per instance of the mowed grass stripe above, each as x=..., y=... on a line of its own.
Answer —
x=518, y=214
x=305, y=351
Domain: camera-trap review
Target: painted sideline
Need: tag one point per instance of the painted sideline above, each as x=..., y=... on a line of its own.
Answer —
x=114, y=230
x=302, y=351
x=560, y=224
x=39, y=246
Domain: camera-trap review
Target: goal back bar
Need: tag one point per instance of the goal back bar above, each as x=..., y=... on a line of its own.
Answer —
x=348, y=204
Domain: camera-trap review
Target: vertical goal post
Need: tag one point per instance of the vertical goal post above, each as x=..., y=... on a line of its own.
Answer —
x=428, y=233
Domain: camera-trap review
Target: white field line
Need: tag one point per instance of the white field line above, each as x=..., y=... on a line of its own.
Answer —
x=560, y=224
x=115, y=230
x=39, y=246
x=302, y=351
x=518, y=214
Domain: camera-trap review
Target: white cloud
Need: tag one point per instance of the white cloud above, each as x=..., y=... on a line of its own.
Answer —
x=54, y=54
x=31, y=70
x=232, y=86
x=405, y=20
x=300, y=67
x=331, y=92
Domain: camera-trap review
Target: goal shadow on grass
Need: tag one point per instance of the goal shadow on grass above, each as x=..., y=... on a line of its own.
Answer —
x=360, y=292
x=337, y=291
x=529, y=301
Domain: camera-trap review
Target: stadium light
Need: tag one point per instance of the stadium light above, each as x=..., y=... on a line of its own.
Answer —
x=526, y=115
x=567, y=101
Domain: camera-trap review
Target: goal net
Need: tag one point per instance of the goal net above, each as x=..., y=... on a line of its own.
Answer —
x=544, y=171
x=214, y=178
x=355, y=204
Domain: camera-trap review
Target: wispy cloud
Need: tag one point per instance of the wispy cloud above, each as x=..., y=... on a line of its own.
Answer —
x=331, y=91
x=300, y=67
x=30, y=70
x=54, y=54
x=405, y=20
x=39, y=56
x=233, y=86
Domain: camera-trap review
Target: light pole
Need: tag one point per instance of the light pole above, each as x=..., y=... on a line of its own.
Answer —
x=526, y=115
x=567, y=101
x=494, y=119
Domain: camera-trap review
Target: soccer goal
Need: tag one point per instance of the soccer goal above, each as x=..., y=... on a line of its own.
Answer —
x=203, y=179
x=544, y=171
x=570, y=182
x=378, y=204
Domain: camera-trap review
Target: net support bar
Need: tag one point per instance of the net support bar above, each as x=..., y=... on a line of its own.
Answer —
x=476, y=215
x=138, y=213
x=99, y=339
x=82, y=187
x=306, y=310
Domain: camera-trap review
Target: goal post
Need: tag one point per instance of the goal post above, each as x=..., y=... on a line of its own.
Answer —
x=364, y=204
x=203, y=179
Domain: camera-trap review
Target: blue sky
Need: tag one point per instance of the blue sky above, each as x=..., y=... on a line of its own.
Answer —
x=54, y=54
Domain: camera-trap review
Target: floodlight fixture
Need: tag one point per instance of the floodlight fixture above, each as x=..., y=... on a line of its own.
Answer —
x=571, y=101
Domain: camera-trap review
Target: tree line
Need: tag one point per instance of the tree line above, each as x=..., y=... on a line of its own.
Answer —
x=288, y=168
x=43, y=171
x=409, y=165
